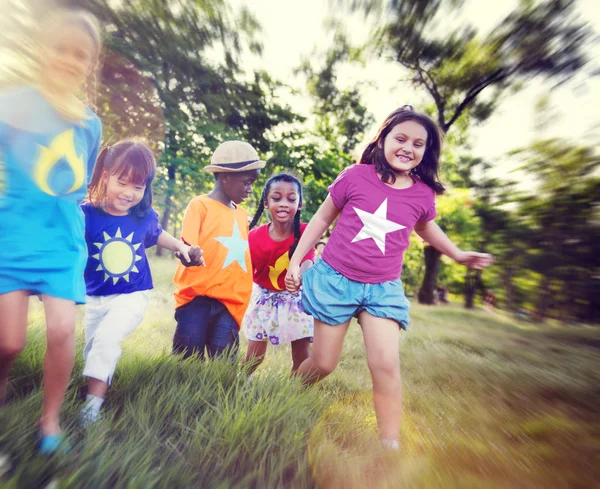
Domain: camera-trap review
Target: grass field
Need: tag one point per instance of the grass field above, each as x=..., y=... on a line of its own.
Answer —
x=489, y=403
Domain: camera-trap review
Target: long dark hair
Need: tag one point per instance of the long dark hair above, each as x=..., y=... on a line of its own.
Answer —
x=427, y=170
x=130, y=159
x=281, y=177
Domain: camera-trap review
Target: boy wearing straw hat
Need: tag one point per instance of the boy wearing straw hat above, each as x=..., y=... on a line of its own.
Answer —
x=211, y=301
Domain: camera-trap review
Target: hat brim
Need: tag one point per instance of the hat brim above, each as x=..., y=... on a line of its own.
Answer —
x=256, y=165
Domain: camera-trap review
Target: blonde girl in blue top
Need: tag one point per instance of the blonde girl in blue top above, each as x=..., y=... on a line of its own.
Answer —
x=49, y=141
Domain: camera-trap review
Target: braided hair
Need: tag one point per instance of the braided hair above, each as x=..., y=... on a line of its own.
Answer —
x=281, y=177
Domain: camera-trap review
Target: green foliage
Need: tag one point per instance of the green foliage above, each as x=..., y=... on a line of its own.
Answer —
x=537, y=38
x=197, y=100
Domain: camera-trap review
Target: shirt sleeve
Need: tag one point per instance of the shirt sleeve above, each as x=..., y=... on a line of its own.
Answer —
x=340, y=188
x=94, y=150
x=154, y=229
x=192, y=222
x=430, y=212
x=254, y=246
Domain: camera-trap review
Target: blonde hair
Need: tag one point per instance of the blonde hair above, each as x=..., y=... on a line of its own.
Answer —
x=23, y=43
x=74, y=109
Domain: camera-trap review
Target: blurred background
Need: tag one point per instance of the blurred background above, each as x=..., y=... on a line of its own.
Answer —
x=514, y=85
x=500, y=367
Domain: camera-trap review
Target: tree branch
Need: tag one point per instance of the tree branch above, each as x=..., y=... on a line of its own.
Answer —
x=474, y=91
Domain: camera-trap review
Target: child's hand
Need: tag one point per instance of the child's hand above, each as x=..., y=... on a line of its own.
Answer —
x=292, y=279
x=475, y=260
x=190, y=256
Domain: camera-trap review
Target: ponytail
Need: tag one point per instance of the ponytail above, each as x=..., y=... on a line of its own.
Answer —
x=97, y=187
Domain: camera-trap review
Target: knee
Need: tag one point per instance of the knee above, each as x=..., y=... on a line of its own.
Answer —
x=383, y=364
x=255, y=358
x=10, y=351
x=324, y=366
x=60, y=333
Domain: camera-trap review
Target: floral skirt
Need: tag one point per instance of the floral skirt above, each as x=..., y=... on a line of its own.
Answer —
x=277, y=317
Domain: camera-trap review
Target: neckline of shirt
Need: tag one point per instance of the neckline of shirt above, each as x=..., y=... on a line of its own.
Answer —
x=373, y=174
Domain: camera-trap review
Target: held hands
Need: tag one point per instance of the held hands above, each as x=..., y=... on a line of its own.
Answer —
x=292, y=279
x=475, y=260
x=190, y=256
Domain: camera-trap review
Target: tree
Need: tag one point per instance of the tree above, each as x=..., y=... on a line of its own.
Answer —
x=339, y=119
x=203, y=97
x=565, y=228
x=538, y=38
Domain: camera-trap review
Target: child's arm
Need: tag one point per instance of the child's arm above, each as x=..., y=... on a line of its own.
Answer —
x=190, y=256
x=432, y=233
x=324, y=217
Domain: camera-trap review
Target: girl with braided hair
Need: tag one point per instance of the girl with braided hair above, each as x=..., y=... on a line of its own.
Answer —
x=275, y=315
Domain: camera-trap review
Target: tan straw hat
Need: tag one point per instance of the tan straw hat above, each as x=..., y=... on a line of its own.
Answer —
x=234, y=156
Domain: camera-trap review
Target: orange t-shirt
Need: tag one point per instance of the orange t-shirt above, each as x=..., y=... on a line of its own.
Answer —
x=222, y=233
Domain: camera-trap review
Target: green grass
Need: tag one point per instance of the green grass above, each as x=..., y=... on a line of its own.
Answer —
x=489, y=403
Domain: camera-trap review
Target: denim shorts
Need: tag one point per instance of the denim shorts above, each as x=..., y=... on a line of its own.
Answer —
x=333, y=299
x=205, y=324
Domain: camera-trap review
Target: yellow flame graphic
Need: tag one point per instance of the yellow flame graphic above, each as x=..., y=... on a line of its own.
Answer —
x=281, y=266
x=62, y=145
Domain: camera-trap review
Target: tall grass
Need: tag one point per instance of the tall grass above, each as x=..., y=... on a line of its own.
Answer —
x=488, y=403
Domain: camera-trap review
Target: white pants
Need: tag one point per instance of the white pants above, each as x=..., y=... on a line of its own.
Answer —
x=108, y=321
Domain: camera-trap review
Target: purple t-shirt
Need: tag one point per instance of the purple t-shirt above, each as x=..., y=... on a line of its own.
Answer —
x=368, y=242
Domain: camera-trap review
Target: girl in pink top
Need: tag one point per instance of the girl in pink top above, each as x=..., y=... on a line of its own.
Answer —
x=379, y=202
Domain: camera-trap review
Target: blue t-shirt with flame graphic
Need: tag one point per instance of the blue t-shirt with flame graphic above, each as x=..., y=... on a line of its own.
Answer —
x=45, y=165
x=117, y=262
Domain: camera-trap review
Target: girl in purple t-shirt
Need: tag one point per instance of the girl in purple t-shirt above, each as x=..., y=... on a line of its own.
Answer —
x=380, y=201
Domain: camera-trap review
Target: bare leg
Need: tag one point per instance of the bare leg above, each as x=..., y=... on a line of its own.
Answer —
x=300, y=352
x=256, y=355
x=58, y=364
x=327, y=348
x=382, y=338
x=13, y=333
x=97, y=387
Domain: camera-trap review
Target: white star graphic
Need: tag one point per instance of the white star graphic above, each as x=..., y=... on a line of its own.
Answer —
x=376, y=226
x=236, y=247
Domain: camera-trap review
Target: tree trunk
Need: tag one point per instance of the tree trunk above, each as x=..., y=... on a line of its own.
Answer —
x=470, y=287
x=509, y=289
x=432, y=267
x=543, y=300
x=164, y=222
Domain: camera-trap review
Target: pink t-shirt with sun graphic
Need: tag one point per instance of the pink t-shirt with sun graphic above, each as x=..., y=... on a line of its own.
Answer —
x=117, y=262
x=372, y=233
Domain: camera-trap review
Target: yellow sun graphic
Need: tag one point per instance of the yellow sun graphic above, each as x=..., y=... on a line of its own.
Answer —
x=117, y=256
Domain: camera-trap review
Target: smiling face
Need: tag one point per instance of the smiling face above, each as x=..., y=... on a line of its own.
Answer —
x=122, y=194
x=69, y=57
x=283, y=201
x=404, y=146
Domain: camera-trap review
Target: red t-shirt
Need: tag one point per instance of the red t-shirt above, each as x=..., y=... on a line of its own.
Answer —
x=270, y=259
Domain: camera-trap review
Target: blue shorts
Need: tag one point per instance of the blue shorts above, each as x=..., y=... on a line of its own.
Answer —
x=205, y=324
x=333, y=299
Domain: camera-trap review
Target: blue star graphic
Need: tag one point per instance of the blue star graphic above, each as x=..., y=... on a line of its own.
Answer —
x=236, y=247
